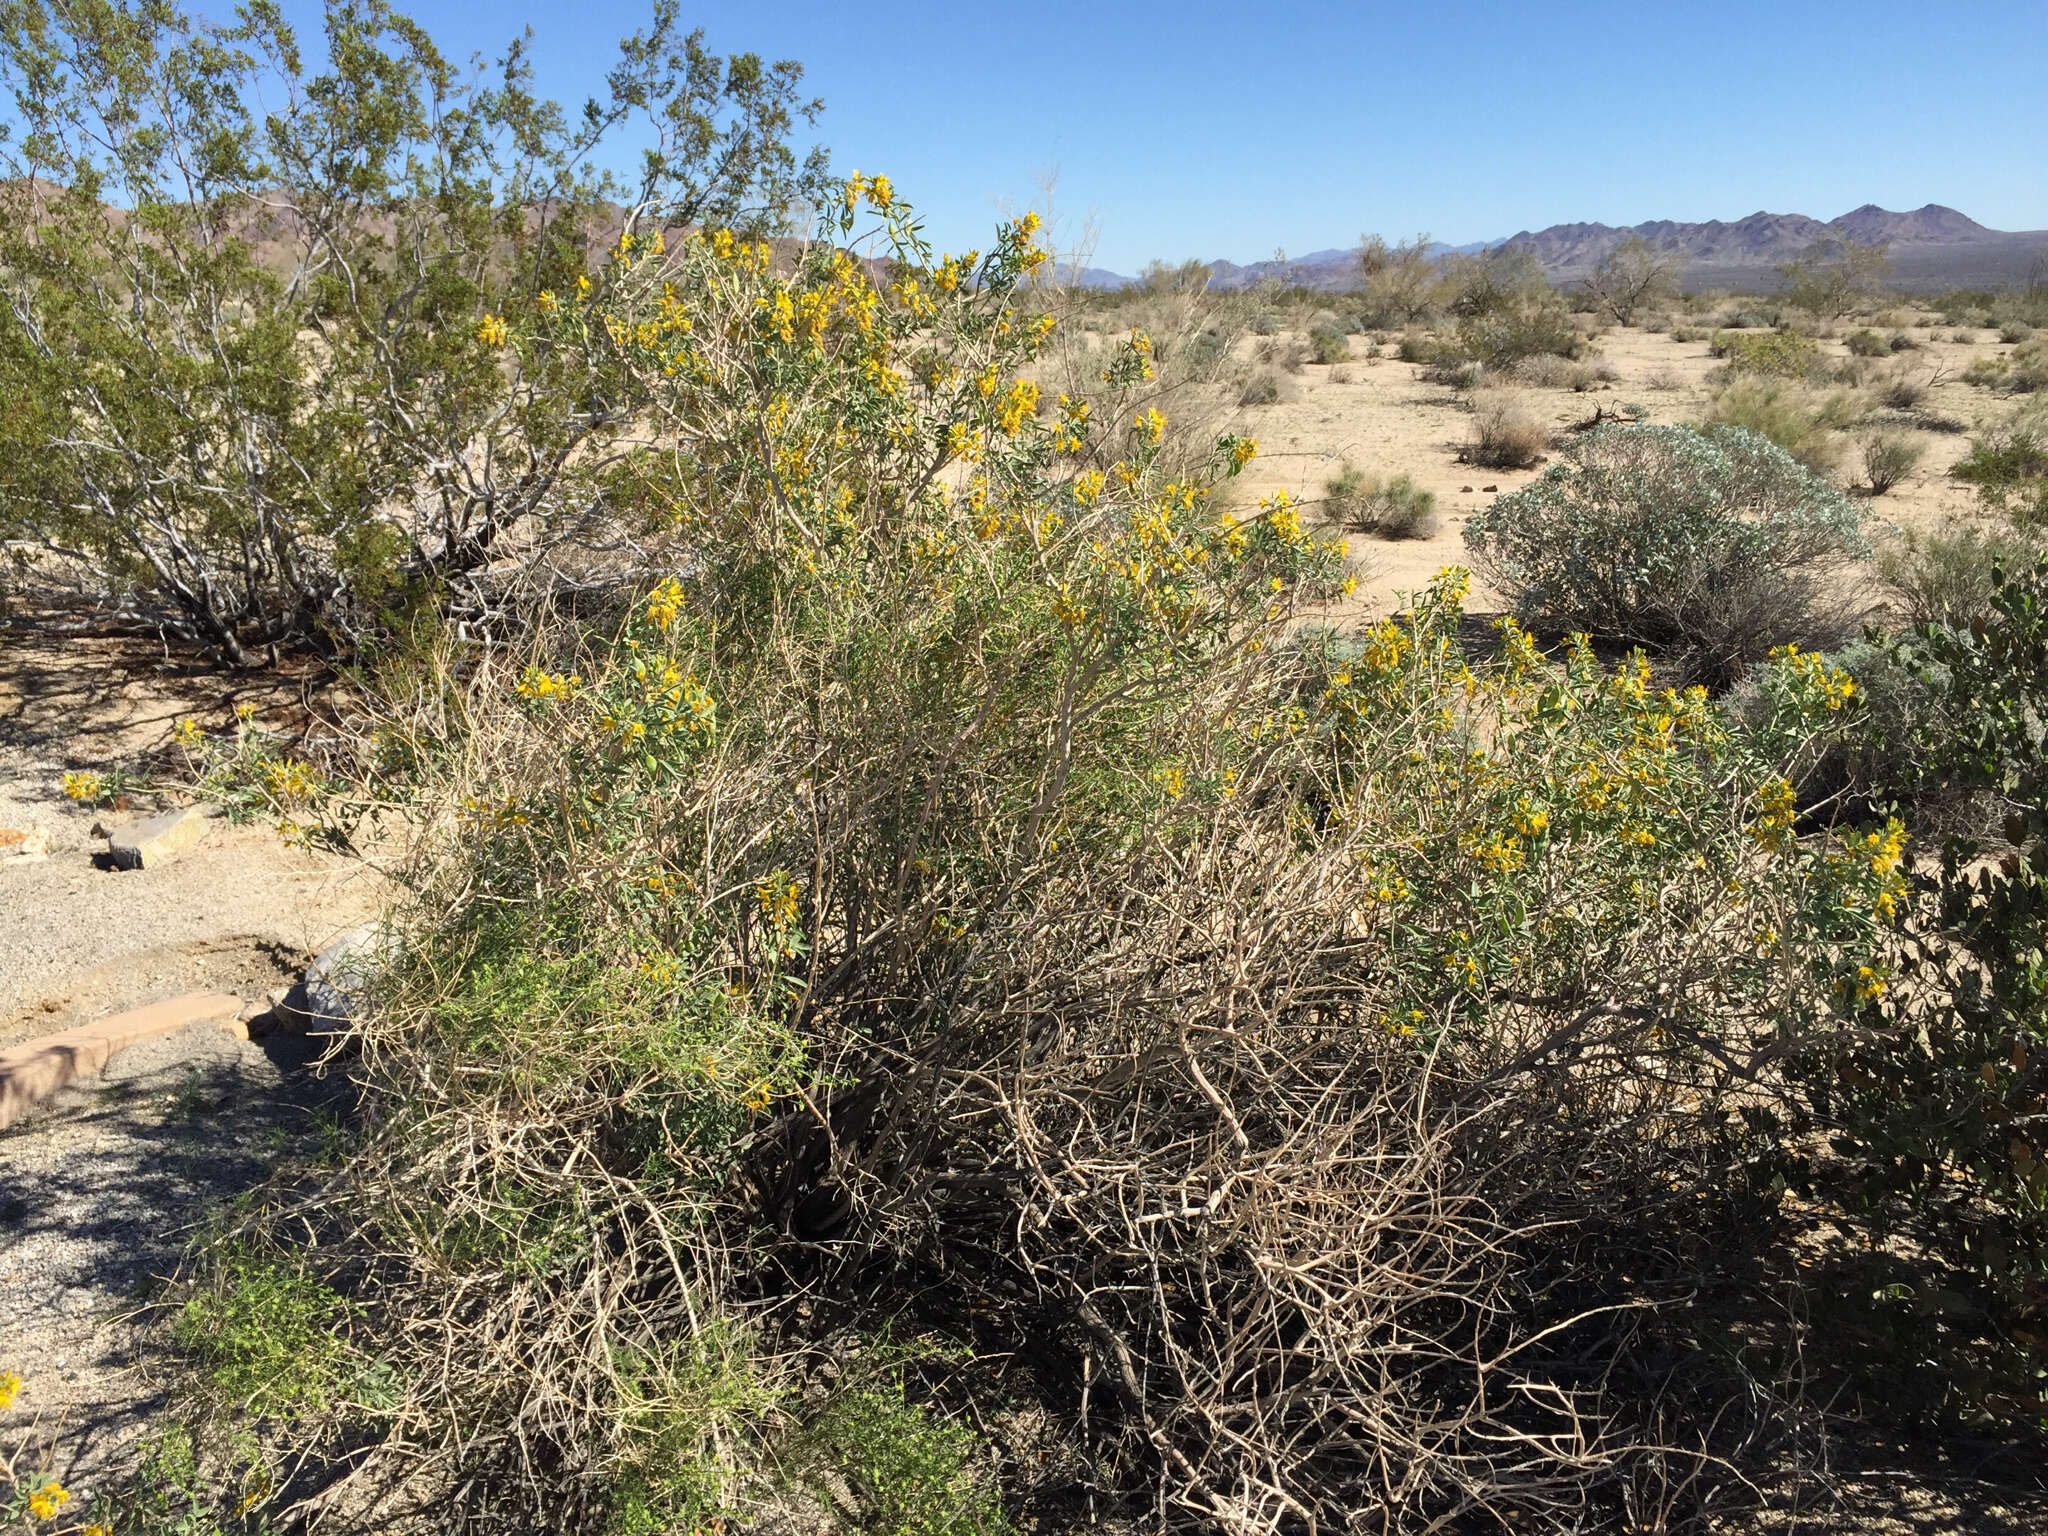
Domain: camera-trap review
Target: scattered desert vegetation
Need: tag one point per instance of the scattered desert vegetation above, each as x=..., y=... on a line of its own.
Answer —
x=965, y=964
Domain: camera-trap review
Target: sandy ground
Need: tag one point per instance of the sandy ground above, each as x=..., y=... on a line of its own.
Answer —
x=1381, y=414
x=99, y=1193
x=101, y=1188
x=239, y=912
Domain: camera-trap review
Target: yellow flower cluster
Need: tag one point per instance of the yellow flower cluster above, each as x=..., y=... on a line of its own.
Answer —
x=1018, y=407
x=1833, y=686
x=1772, y=828
x=537, y=683
x=48, y=1499
x=878, y=191
x=84, y=786
x=492, y=332
x=289, y=779
x=1072, y=431
x=1150, y=427
x=664, y=603
x=779, y=899
x=186, y=733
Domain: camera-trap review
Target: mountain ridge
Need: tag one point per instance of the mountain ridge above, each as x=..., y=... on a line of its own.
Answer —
x=1930, y=246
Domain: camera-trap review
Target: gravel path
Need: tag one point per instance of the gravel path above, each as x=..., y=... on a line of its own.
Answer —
x=99, y=1191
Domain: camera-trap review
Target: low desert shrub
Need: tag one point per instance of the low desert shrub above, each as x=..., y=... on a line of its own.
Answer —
x=1549, y=371
x=1951, y=576
x=1457, y=373
x=2014, y=332
x=1260, y=389
x=982, y=901
x=408, y=462
x=1329, y=344
x=1521, y=330
x=2027, y=366
x=1711, y=547
x=1889, y=456
x=1867, y=343
x=1505, y=435
x=1418, y=348
x=1789, y=414
x=1933, y=1101
x=1266, y=323
x=1778, y=354
x=1903, y=390
x=2008, y=466
x=1686, y=333
x=1362, y=502
x=1986, y=371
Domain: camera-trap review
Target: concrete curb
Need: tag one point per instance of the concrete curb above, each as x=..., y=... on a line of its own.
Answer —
x=35, y=1069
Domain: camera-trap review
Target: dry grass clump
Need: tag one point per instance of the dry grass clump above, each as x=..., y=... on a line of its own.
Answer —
x=1505, y=434
x=1387, y=508
x=1889, y=456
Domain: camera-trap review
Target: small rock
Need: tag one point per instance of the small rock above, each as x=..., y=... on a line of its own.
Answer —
x=1489, y=487
x=159, y=839
x=1465, y=490
x=18, y=847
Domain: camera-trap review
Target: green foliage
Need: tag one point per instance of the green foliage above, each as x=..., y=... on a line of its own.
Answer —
x=1832, y=276
x=1779, y=354
x=1632, y=276
x=1398, y=283
x=1797, y=419
x=1867, y=343
x=909, y=1470
x=1712, y=547
x=1936, y=1096
x=262, y=1334
x=2008, y=466
x=1329, y=344
x=271, y=403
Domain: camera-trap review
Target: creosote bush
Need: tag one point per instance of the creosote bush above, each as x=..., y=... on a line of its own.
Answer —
x=270, y=400
x=1709, y=546
x=1800, y=421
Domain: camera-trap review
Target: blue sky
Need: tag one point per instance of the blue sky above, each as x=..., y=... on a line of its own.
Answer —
x=1200, y=129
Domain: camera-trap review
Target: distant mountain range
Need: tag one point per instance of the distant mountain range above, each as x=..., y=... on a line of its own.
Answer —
x=1931, y=248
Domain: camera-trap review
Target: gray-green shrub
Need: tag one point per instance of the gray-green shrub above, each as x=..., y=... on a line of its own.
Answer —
x=1707, y=546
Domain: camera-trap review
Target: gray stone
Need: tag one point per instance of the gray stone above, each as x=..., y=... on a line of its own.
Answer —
x=331, y=991
x=160, y=839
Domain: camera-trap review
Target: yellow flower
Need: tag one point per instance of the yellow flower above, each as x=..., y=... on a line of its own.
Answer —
x=664, y=603
x=10, y=1388
x=548, y=302
x=1088, y=488
x=48, y=1499
x=1243, y=451
x=492, y=332
x=186, y=734
x=1150, y=426
x=84, y=786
